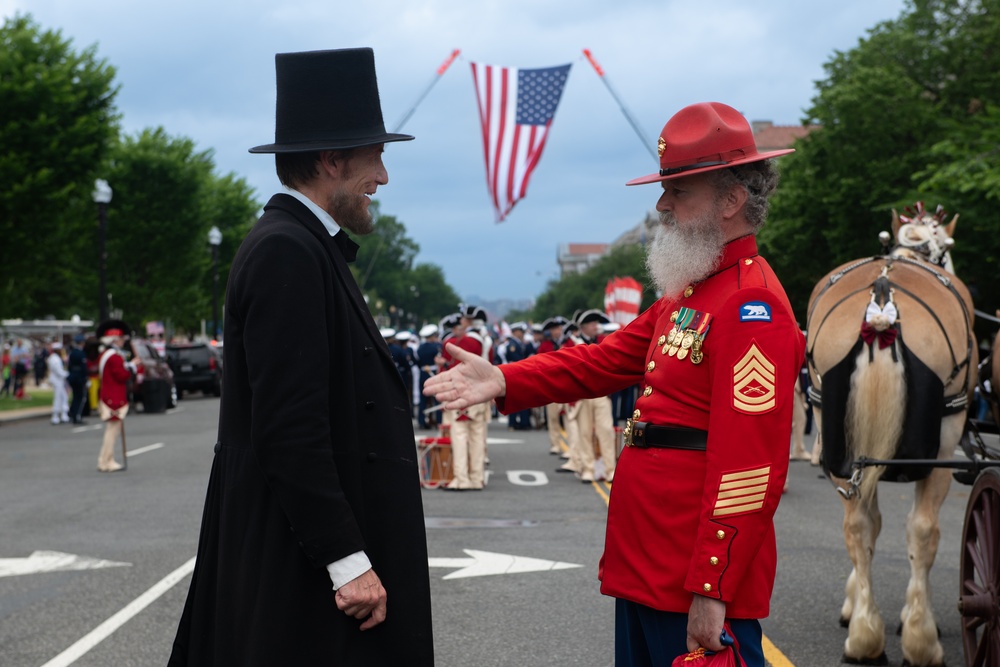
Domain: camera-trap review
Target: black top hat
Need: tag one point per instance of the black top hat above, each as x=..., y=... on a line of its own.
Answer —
x=327, y=100
x=113, y=328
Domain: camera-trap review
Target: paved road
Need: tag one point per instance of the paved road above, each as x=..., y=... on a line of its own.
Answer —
x=145, y=522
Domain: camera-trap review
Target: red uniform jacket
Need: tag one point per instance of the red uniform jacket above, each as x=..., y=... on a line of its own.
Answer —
x=114, y=381
x=683, y=522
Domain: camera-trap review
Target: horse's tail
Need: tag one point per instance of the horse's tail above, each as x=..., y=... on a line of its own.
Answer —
x=876, y=408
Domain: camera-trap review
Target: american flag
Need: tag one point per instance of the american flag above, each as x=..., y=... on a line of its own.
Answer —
x=516, y=107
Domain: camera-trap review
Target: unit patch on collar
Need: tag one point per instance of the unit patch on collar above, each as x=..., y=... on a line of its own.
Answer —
x=753, y=382
x=742, y=492
x=755, y=311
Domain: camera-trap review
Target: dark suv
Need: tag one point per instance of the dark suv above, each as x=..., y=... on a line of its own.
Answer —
x=196, y=366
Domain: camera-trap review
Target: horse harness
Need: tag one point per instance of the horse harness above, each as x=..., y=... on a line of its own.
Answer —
x=881, y=290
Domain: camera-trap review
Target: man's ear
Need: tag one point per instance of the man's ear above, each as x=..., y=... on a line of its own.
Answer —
x=329, y=162
x=734, y=201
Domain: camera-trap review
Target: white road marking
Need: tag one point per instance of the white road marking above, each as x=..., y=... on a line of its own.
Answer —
x=143, y=450
x=52, y=561
x=104, y=630
x=84, y=429
x=486, y=563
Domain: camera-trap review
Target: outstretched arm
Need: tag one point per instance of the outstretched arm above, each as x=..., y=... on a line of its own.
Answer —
x=474, y=380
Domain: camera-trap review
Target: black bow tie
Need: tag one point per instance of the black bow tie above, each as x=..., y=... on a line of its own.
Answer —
x=348, y=248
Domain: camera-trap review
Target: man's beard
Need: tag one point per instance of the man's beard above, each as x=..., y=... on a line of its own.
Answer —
x=350, y=211
x=682, y=254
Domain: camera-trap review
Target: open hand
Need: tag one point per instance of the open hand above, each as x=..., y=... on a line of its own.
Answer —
x=474, y=380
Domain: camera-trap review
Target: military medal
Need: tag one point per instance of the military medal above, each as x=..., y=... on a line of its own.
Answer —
x=696, y=354
x=690, y=329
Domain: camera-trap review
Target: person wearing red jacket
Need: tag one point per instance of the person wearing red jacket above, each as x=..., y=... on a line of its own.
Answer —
x=468, y=425
x=552, y=331
x=115, y=373
x=690, y=541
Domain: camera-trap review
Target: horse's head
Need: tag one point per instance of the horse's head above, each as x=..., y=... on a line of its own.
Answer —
x=923, y=235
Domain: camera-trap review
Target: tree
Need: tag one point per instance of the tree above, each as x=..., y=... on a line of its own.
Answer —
x=907, y=114
x=399, y=293
x=166, y=199
x=582, y=291
x=57, y=123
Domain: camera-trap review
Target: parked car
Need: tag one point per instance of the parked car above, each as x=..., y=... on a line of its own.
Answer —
x=197, y=367
x=153, y=383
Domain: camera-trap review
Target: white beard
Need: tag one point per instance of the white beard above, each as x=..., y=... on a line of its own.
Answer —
x=682, y=254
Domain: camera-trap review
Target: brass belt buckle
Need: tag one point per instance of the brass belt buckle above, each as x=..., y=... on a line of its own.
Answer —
x=627, y=432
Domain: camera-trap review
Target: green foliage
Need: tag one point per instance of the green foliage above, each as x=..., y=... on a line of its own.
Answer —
x=57, y=122
x=166, y=198
x=907, y=114
x=581, y=291
x=400, y=294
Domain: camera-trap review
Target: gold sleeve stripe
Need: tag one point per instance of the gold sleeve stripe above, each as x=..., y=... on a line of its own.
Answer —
x=756, y=472
x=736, y=493
x=726, y=486
x=742, y=500
x=736, y=510
x=742, y=491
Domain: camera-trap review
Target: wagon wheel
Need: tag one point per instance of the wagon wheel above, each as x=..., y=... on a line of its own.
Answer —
x=979, y=596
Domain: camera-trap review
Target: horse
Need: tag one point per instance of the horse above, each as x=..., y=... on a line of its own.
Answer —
x=892, y=359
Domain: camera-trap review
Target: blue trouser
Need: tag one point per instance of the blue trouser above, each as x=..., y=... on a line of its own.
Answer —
x=646, y=637
x=78, y=384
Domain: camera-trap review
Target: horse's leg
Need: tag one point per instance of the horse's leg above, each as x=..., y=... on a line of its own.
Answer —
x=920, y=636
x=817, y=450
x=865, y=641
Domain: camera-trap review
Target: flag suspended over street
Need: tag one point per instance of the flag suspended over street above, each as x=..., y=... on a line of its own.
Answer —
x=622, y=299
x=516, y=107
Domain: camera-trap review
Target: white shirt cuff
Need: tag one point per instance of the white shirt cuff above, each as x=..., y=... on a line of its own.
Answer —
x=349, y=568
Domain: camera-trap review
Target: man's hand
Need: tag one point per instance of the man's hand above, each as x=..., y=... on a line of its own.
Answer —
x=475, y=380
x=705, y=619
x=363, y=597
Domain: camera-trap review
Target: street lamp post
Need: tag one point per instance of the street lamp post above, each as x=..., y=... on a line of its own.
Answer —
x=102, y=196
x=214, y=239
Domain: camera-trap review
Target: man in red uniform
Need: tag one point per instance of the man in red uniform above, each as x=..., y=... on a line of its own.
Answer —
x=690, y=535
x=468, y=425
x=552, y=330
x=115, y=373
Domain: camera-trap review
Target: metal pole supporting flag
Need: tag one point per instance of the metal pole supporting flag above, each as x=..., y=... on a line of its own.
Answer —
x=628, y=116
x=437, y=75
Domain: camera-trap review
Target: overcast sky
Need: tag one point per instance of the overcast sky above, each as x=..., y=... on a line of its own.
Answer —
x=205, y=70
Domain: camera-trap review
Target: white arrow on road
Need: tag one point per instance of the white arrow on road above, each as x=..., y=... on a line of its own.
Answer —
x=485, y=563
x=52, y=561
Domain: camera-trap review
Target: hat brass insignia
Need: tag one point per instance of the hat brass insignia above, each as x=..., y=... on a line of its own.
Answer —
x=661, y=146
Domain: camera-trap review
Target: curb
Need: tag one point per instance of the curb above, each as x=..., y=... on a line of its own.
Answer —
x=24, y=414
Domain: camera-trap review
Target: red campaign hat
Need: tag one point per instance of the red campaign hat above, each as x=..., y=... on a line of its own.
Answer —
x=705, y=137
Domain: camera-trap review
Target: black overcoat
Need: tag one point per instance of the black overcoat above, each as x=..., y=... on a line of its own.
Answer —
x=315, y=461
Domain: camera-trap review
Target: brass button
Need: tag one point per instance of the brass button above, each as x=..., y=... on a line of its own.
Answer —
x=721, y=535
x=635, y=415
x=650, y=366
x=662, y=339
x=713, y=560
x=647, y=391
x=673, y=316
x=688, y=291
x=748, y=262
x=708, y=588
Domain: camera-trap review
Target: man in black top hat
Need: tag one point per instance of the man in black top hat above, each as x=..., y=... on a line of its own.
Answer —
x=312, y=547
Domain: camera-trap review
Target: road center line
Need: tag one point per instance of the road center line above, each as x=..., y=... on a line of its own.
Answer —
x=102, y=631
x=147, y=448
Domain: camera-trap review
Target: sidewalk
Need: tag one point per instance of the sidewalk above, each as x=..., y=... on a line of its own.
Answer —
x=25, y=413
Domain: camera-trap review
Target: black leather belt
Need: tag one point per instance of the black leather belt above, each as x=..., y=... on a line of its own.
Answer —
x=643, y=435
